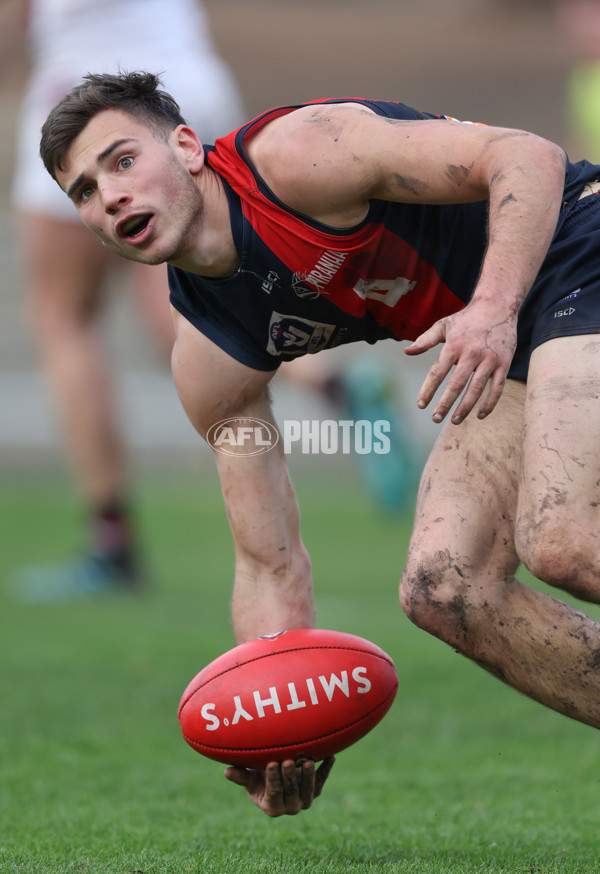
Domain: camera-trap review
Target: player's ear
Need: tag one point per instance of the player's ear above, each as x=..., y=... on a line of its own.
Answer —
x=187, y=143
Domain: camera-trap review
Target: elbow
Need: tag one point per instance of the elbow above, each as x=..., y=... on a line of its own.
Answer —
x=547, y=158
x=527, y=153
x=554, y=157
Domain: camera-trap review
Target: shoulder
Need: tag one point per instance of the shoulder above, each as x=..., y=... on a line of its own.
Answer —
x=304, y=131
x=309, y=158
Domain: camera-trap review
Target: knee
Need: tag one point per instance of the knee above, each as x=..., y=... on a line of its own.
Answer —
x=436, y=596
x=559, y=553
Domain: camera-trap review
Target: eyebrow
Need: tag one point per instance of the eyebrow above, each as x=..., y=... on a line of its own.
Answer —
x=99, y=161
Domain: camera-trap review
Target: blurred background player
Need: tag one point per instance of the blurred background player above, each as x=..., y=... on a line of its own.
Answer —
x=67, y=268
x=579, y=26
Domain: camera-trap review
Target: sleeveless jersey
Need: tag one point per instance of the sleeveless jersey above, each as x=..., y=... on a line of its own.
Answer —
x=303, y=286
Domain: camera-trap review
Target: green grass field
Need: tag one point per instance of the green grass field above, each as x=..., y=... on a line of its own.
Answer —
x=463, y=775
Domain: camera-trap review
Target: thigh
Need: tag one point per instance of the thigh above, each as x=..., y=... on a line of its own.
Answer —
x=66, y=264
x=467, y=500
x=559, y=502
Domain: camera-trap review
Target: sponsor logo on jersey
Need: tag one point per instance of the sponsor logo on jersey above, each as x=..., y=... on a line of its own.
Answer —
x=310, y=692
x=323, y=272
x=301, y=290
x=292, y=335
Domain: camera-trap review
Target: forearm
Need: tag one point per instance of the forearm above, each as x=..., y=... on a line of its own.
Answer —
x=266, y=601
x=524, y=182
x=273, y=584
x=525, y=194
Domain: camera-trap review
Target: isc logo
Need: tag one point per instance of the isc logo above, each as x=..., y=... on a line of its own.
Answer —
x=309, y=693
x=242, y=436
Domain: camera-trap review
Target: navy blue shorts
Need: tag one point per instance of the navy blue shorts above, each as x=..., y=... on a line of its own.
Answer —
x=565, y=299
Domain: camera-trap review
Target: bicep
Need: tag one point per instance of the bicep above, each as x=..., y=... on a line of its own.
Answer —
x=210, y=383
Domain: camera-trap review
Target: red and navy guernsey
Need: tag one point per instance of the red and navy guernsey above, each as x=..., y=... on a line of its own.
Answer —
x=302, y=286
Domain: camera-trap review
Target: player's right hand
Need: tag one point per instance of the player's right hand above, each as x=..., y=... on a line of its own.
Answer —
x=478, y=344
x=283, y=789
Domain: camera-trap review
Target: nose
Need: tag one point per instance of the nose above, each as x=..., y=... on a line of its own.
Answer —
x=113, y=197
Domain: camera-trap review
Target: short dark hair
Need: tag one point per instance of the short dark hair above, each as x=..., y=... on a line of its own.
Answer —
x=137, y=93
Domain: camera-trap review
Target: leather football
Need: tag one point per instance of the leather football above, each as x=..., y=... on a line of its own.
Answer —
x=304, y=693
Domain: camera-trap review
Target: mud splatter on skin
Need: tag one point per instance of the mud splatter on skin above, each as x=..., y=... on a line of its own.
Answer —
x=545, y=445
x=571, y=669
x=497, y=177
x=424, y=585
x=413, y=186
x=555, y=498
x=423, y=590
x=458, y=612
x=339, y=111
x=317, y=118
x=593, y=660
x=425, y=488
x=510, y=198
x=331, y=126
x=560, y=390
x=458, y=174
x=569, y=708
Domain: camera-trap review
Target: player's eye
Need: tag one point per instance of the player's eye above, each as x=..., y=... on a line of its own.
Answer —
x=125, y=163
x=85, y=193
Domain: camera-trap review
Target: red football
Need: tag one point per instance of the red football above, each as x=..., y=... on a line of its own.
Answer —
x=302, y=693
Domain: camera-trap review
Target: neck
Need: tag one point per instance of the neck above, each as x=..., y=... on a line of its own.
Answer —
x=212, y=250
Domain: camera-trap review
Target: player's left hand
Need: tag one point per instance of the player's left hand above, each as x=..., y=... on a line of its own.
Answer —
x=479, y=342
x=282, y=788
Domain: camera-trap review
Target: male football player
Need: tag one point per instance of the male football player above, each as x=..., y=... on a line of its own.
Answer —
x=347, y=220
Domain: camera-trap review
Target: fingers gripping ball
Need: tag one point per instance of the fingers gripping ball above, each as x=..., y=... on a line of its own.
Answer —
x=306, y=693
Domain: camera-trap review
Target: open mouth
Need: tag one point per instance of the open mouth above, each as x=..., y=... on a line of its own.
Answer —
x=134, y=227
